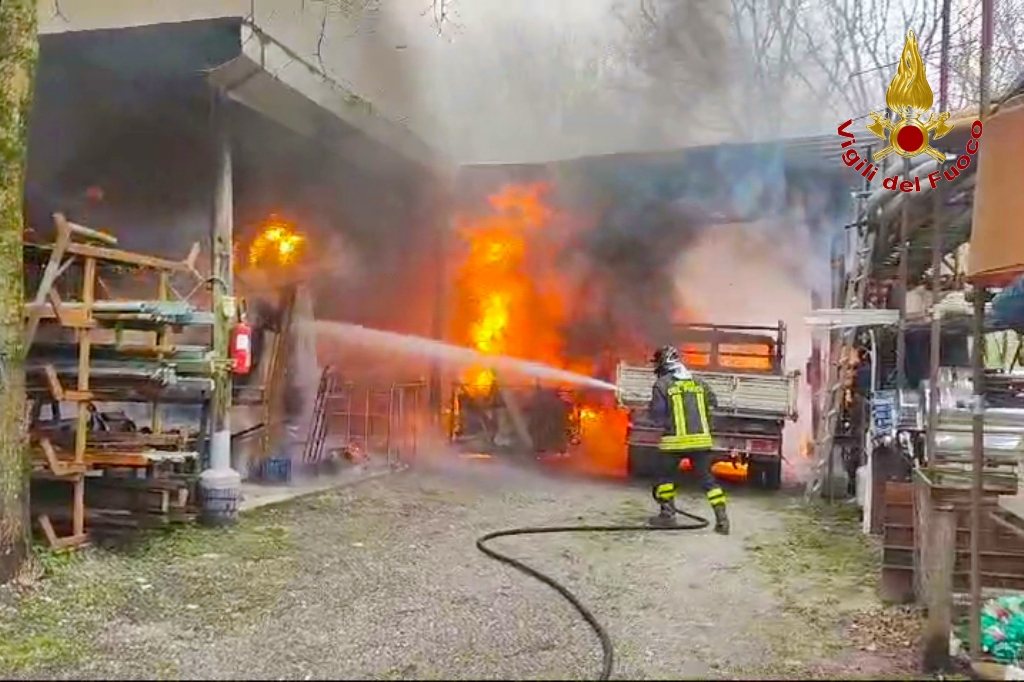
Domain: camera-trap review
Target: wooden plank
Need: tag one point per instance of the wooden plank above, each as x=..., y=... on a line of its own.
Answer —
x=992, y=561
x=898, y=514
x=899, y=492
x=991, y=538
x=48, y=532
x=1009, y=521
x=898, y=582
x=84, y=352
x=168, y=439
x=58, y=467
x=87, y=232
x=193, y=256
x=50, y=275
x=150, y=501
x=124, y=483
x=56, y=542
x=57, y=390
x=94, y=458
x=78, y=508
x=897, y=586
x=161, y=340
x=124, y=519
x=74, y=315
x=938, y=559
x=130, y=258
x=922, y=517
x=53, y=381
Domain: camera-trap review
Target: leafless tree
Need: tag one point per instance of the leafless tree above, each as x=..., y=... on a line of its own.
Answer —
x=440, y=13
x=742, y=58
x=767, y=52
x=18, y=52
x=1008, y=52
x=675, y=54
x=836, y=56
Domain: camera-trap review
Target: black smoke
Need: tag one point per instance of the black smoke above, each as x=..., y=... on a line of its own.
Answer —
x=631, y=257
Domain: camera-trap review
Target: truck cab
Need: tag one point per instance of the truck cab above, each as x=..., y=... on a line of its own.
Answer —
x=745, y=367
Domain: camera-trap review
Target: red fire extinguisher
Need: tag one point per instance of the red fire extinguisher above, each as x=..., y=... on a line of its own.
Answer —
x=241, y=348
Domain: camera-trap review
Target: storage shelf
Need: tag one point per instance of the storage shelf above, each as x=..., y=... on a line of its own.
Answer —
x=76, y=355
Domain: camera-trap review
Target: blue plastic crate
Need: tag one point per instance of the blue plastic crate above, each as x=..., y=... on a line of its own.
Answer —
x=276, y=470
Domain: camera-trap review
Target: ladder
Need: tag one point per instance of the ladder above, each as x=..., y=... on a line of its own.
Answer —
x=840, y=368
x=316, y=436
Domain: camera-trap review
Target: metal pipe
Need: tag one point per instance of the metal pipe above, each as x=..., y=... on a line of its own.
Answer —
x=220, y=485
x=977, y=361
x=874, y=360
x=944, y=57
x=881, y=197
x=902, y=276
x=222, y=269
x=935, y=349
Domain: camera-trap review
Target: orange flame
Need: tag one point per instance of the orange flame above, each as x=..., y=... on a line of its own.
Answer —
x=753, y=356
x=603, y=441
x=277, y=243
x=510, y=298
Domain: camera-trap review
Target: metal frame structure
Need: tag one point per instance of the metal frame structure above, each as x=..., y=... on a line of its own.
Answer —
x=915, y=234
x=73, y=333
x=365, y=420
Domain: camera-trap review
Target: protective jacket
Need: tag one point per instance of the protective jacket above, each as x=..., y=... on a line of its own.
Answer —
x=682, y=408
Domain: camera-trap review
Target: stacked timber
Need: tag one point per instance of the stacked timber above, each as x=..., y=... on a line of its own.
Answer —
x=1002, y=549
x=94, y=365
x=945, y=480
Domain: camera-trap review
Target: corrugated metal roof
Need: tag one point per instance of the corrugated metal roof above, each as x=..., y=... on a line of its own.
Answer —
x=958, y=208
x=821, y=147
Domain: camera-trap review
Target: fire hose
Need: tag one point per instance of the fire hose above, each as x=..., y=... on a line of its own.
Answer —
x=608, y=663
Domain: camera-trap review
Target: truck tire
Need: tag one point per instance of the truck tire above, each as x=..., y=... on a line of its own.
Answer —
x=766, y=472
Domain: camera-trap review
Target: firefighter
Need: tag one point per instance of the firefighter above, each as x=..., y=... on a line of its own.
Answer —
x=681, y=406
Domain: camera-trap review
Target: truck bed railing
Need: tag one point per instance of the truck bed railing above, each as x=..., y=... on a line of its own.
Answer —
x=755, y=396
x=726, y=347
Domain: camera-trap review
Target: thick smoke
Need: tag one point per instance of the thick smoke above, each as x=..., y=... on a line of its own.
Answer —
x=641, y=213
x=632, y=254
x=731, y=235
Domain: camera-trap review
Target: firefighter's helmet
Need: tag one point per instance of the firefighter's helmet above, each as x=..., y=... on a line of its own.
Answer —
x=663, y=358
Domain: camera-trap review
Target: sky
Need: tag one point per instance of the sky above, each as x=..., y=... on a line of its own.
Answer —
x=518, y=81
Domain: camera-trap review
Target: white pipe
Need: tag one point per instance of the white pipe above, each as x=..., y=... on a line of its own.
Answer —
x=882, y=196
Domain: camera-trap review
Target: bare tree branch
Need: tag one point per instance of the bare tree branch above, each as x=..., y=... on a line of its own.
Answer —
x=835, y=56
x=58, y=12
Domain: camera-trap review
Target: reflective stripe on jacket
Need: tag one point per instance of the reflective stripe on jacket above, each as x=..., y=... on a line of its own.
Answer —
x=688, y=423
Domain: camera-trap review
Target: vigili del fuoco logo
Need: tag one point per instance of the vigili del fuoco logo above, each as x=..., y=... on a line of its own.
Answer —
x=909, y=97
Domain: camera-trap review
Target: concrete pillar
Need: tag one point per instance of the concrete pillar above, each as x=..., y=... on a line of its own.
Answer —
x=220, y=485
x=302, y=379
x=440, y=206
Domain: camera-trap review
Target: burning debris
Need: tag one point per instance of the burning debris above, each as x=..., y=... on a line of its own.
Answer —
x=523, y=290
x=277, y=243
x=510, y=292
x=514, y=299
x=538, y=283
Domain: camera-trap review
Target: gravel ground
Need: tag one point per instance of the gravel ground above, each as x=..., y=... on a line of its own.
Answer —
x=383, y=581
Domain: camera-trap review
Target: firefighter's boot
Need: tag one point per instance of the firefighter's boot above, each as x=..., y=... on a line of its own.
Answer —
x=721, y=520
x=665, y=518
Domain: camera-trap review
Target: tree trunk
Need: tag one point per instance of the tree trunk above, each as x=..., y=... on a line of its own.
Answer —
x=18, y=51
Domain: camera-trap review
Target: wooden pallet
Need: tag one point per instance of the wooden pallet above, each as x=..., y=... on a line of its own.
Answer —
x=57, y=456
x=1002, y=549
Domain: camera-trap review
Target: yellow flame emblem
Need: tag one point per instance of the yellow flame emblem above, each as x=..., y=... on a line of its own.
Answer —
x=909, y=96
